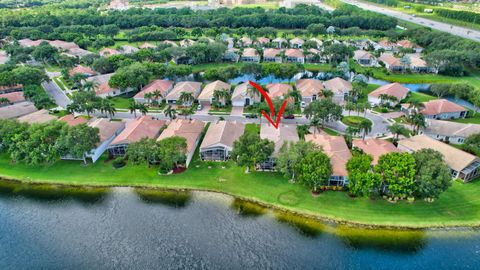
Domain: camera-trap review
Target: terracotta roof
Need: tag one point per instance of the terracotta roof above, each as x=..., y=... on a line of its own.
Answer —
x=102, y=83
x=313, y=51
x=297, y=41
x=270, y=52
x=309, y=87
x=17, y=110
x=386, y=43
x=79, y=52
x=188, y=129
x=13, y=97
x=405, y=43
x=3, y=57
x=142, y=127
x=250, y=52
x=82, y=70
x=284, y=133
x=147, y=45
x=241, y=91
x=338, y=85
x=223, y=133
x=71, y=120
x=294, y=53
x=263, y=40
x=246, y=40
x=189, y=87
x=361, y=54
x=30, y=43
x=375, y=147
x=17, y=87
x=447, y=128
x=336, y=149
x=106, y=128
x=163, y=86
x=210, y=88
x=454, y=157
x=393, y=89
x=63, y=45
x=278, y=89
x=439, y=106
x=108, y=52
x=389, y=59
x=38, y=117
x=416, y=61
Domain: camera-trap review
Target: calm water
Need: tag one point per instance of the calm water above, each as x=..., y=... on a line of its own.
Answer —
x=51, y=228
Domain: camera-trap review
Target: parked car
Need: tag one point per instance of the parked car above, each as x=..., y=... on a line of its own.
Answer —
x=251, y=115
x=199, y=107
x=290, y=116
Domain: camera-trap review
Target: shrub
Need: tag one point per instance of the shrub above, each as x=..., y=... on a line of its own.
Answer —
x=119, y=162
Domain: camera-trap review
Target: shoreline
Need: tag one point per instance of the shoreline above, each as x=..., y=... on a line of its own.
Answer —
x=290, y=210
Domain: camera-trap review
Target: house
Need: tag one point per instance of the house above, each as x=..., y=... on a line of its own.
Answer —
x=244, y=95
x=245, y=42
x=374, y=147
x=278, y=90
x=250, y=55
x=189, y=87
x=364, y=44
x=231, y=55
x=419, y=65
x=186, y=43
x=71, y=120
x=63, y=45
x=272, y=55
x=102, y=87
x=147, y=45
x=11, y=88
x=462, y=165
x=443, y=109
x=127, y=49
x=407, y=44
x=394, y=90
x=262, y=41
x=12, y=97
x=386, y=45
x=38, y=117
x=310, y=89
x=296, y=43
x=106, y=52
x=218, y=141
x=17, y=109
x=337, y=150
x=162, y=87
x=4, y=58
x=315, y=56
x=30, y=43
x=284, y=133
x=391, y=62
x=339, y=87
x=169, y=43
x=107, y=131
x=135, y=130
x=77, y=53
x=191, y=130
x=449, y=132
x=207, y=97
x=85, y=71
x=317, y=41
x=279, y=43
x=364, y=58
x=294, y=56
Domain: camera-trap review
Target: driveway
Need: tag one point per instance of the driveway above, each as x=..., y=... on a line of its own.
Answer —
x=204, y=111
x=237, y=111
x=56, y=93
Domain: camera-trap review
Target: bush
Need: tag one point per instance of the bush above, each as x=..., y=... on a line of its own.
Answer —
x=119, y=163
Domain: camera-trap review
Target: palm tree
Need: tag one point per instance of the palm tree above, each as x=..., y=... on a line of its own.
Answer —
x=327, y=93
x=89, y=108
x=365, y=126
x=142, y=108
x=416, y=104
x=170, y=112
x=316, y=124
x=90, y=85
x=397, y=129
x=148, y=97
x=295, y=94
x=418, y=121
x=4, y=101
x=132, y=106
x=186, y=111
x=383, y=98
x=221, y=96
x=186, y=98
x=349, y=106
x=156, y=95
x=109, y=108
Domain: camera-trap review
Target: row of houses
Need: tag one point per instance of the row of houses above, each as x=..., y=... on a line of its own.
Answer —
x=68, y=48
x=275, y=55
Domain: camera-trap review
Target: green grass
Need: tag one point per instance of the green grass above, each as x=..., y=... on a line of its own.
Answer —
x=353, y=121
x=418, y=96
x=458, y=206
x=221, y=110
x=472, y=118
x=59, y=83
x=331, y=132
x=253, y=128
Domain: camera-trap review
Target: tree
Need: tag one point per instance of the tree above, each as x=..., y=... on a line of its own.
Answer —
x=172, y=151
x=186, y=98
x=103, y=65
x=418, y=121
x=405, y=61
x=432, y=175
x=170, y=112
x=4, y=101
x=135, y=76
x=145, y=151
x=90, y=85
x=440, y=89
x=142, y=108
x=28, y=75
x=398, y=172
x=314, y=170
x=45, y=53
x=316, y=29
x=8, y=130
x=324, y=110
x=76, y=141
x=107, y=106
x=132, y=107
x=250, y=150
x=398, y=129
x=365, y=126
x=292, y=153
x=362, y=181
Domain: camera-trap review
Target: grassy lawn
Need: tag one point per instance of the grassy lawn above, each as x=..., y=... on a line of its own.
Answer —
x=458, y=206
x=367, y=90
x=331, y=132
x=353, y=121
x=471, y=119
x=221, y=110
x=418, y=96
x=59, y=83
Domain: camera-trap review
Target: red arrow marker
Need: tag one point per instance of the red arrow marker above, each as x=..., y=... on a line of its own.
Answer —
x=270, y=104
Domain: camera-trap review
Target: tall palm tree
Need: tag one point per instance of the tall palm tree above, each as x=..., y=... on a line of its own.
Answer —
x=295, y=94
x=186, y=98
x=109, y=108
x=170, y=112
x=327, y=93
x=132, y=106
x=365, y=126
x=142, y=108
x=187, y=111
x=90, y=85
x=4, y=101
x=316, y=124
x=418, y=121
x=148, y=97
x=416, y=104
x=156, y=95
x=397, y=129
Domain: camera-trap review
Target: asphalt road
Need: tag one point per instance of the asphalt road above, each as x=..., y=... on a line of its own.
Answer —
x=455, y=30
x=56, y=93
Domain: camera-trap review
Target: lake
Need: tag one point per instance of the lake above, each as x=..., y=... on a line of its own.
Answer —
x=45, y=227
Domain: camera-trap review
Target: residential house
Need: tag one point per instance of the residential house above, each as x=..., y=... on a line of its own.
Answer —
x=169, y=43
x=186, y=43
x=419, y=65
x=391, y=62
x=218, y=141
x=386, y=45
x=30, y=43
x=462, y=165
x=317, y=41
x=363, y=44
x=283, y=134
x=443, y=109
x=107, y=131
x=232, y=55
x=147, y=45
x=71, y=120
x=162, y=87
x=364, y=58
x=272, y=55
x=278, y=90
x=127, y=49
x=17, y=109
x=315, y=56
x=245, y=42
x=106, y=52
x=11, y=88
x=296, y=43
x=244, y=95
x=374, y=147
x=135, y=130
x=183, y=60
x=250, y=55
x=393, y=90
x=280, y=43
x=407, y=44
x=12, y=97
x=337, y=150
x=188, y=87
x=262, y=42
x=310, y=89
x=294, y=56
x=449, y=132
x=85, y=71
x=340, y=88
x=191, y=130
x=207, y=96
x=103, y=88
x=77, y=53
x=37, y=117
x=63, y=45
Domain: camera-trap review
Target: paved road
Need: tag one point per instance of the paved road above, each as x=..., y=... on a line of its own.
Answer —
x=56, y=93
x=455, y=30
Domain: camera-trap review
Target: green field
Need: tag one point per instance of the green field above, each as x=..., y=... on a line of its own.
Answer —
x=353, y=121
x=418, y=96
